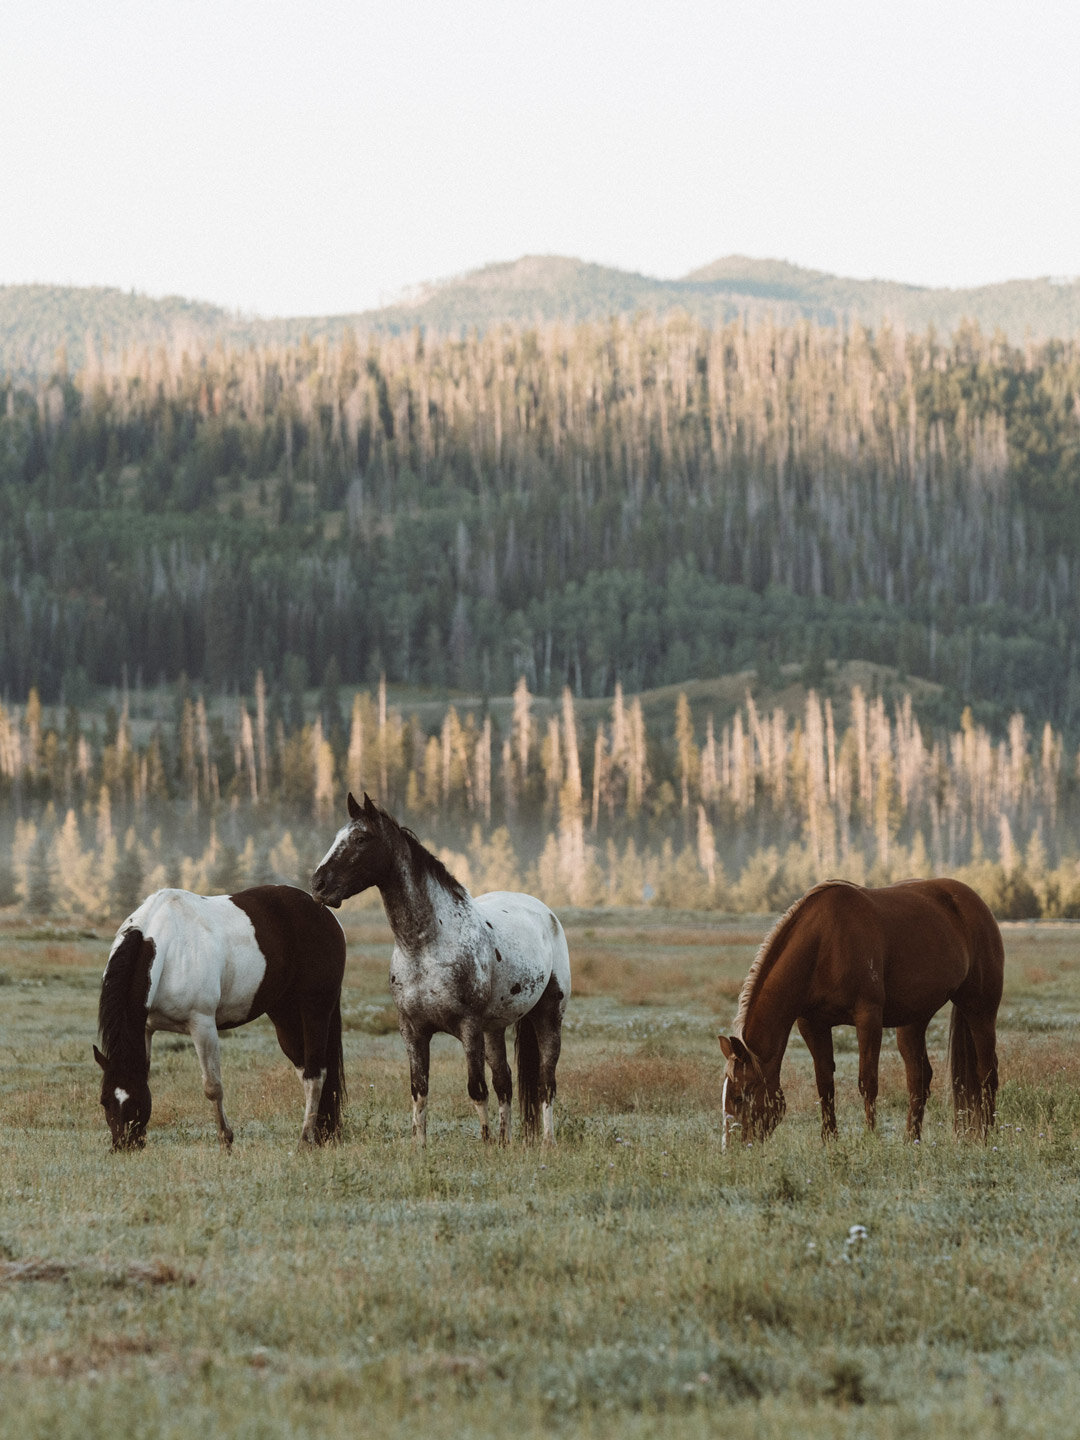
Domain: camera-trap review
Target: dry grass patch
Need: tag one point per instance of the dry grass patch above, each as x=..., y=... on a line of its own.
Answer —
x=644, y=1082
x=1043, y=1061
x=103, y=1353
x=133, y=1272
x=1037, y=975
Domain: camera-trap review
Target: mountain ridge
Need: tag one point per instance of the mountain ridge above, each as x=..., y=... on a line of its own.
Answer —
x=38, y=321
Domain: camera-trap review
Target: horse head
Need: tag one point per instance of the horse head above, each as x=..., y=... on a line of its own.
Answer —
x=752, y=1099
x=357, y=859
x=125, y=1099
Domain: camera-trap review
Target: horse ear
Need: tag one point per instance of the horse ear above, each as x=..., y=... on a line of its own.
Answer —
x=370, y=809
x=735, y=1049
x=99, y=1057
x=354, y=808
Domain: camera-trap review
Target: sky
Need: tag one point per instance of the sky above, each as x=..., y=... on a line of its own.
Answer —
x=285, y=158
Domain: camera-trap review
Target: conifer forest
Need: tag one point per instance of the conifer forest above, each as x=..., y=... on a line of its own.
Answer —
x=625, y=612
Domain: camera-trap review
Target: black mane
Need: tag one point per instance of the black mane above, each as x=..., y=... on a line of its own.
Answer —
x=125, y=990
x=424, y=862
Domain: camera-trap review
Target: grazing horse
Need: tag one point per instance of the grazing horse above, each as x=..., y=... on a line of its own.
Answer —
x=460, y=967
x=848, y=955
x=203, y=963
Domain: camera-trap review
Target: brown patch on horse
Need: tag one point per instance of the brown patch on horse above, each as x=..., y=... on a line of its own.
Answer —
x=304, y=949
x=297, y=937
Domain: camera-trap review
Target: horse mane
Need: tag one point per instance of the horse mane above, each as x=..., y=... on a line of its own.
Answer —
x=770, y=948
x=125, y=988
x=424, y=862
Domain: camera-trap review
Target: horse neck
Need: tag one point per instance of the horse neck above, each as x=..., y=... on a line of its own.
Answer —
x=130, y=1067
x=422, y=913
x=775, y=1004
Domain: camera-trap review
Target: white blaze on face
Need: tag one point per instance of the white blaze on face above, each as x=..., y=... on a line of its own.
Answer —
x=338, y=839
x=727, y=1118
x=121, y=1095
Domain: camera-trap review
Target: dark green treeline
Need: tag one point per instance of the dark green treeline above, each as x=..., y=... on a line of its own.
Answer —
x=638, y=502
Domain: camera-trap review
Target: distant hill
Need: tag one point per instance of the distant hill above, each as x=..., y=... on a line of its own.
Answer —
x=37, y=321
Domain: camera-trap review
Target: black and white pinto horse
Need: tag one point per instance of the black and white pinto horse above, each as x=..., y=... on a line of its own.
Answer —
x=197, y=964
x=461, y=966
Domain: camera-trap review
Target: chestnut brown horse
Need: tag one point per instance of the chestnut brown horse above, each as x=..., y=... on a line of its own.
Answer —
x=848, y=955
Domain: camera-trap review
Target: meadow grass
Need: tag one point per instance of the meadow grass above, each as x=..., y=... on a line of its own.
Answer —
x=632, y=1282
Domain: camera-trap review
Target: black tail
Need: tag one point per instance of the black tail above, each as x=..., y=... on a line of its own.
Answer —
x=333, y=1097
x=973, y=1102
x=527, y=1056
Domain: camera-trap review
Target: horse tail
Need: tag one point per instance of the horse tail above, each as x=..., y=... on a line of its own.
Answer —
x=527, y=1056
x=334, y=1095
x=973, y=1103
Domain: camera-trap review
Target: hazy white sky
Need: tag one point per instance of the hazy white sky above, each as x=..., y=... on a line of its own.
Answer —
x=303, y=158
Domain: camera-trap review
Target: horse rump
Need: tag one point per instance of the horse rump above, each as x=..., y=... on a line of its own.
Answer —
x=527, y=1058
x=973, y=1101
x=334, y=1095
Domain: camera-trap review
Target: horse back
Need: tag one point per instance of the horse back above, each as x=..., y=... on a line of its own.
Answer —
x=911, y=946
x=232, y=956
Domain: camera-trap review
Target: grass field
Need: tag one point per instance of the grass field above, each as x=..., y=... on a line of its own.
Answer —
x=632, y=1282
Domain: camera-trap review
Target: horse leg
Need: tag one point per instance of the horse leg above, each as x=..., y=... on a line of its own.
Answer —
x=984, y=1033
x=315, y=1022
x=911, y=1042
x=819, y=1042
x=290, y=1035
x=868, y=1029
x=495, y=1052
x=473, y=1040
x=547, y=1022
x=418, y=1046
x=204, y=1033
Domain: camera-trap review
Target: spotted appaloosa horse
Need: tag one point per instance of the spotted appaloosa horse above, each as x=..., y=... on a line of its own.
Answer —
x=848, y=955
x=461, y=966
x=198, y=964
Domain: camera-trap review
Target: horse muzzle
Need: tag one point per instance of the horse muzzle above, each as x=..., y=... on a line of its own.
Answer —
x=322, y=893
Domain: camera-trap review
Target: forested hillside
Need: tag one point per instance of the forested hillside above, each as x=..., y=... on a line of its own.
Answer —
x=642, y=502
x=36, y=321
